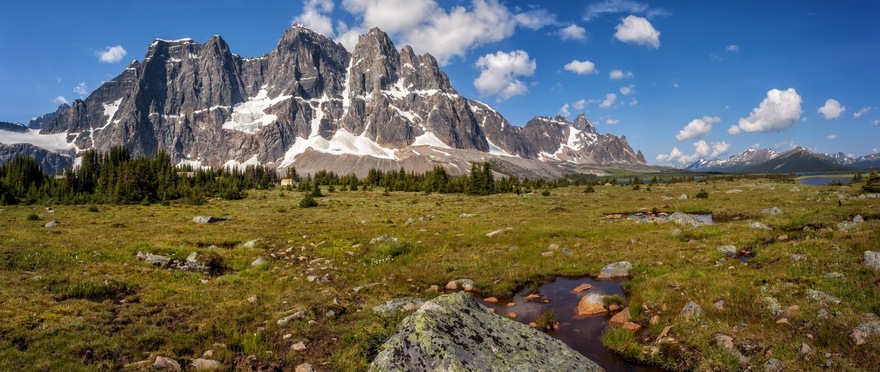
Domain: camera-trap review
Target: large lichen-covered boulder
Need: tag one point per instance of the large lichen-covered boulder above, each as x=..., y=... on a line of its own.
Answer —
x=455, y=333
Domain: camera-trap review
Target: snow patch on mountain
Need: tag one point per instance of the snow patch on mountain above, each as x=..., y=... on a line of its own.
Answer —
x=250, y=116
x=52, y=142
x=110, y=110
x=429, y=139
x=342, y=143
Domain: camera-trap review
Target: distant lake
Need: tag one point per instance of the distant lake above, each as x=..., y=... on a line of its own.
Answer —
x=820, y=179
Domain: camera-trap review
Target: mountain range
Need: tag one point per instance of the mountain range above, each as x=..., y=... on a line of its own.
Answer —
x=312, y=104
x=795, y=160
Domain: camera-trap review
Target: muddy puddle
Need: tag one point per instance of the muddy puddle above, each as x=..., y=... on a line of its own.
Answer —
x=578, y=332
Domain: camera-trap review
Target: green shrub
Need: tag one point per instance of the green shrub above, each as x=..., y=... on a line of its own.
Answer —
x=93, y=209
x=703, y=194
x=308, y=201
x=33, y=217
x=545, y=193
x=546, y=321
x=589, y=189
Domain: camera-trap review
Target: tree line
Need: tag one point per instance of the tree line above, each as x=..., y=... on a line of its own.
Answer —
x=115, y=177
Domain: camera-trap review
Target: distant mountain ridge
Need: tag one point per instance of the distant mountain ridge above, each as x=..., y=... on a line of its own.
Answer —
x=310, y=98
x=795, y=160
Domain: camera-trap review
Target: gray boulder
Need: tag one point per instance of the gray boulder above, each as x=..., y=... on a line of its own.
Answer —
x=759, y=226
x=774, y=365
x=615, y=270
x=201, y=364
x=453, y=332
x=860, y=334
x=259, y=262
x=154, y=259
x=872, y=259
x=692, y=310
x=821, y=296
x=52, y=223
x=727, y=250
x=772, y=211
x=209, y=219
x=685, y=219
x=165, y=363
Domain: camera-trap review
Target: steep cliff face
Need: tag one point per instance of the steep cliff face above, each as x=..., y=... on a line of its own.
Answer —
x=202, y=103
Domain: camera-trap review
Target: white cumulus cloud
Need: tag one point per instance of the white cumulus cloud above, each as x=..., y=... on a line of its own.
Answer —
x=627, y=90
x=609, y=100
x=314, y=16
x=831, y=136
x=733, y=48
x=619, y=74
x=637, y=30
x=858, y=115
x=581, y=67
x=431, y=28
x=564, y=110
x=702, y=150
x=831, y=109
x=778, y=112
x=499, y=74
x=112, y=54
x=81, y=89
x=573, y=32
x=60, y=100
x=697, y=128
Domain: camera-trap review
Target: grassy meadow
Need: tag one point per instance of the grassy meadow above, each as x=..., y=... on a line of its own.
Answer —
x=75, y=297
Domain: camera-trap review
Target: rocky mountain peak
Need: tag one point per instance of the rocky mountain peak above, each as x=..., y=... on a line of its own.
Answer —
x=582, y=123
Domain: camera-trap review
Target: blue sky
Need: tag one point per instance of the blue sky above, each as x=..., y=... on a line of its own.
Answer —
x=681, y=79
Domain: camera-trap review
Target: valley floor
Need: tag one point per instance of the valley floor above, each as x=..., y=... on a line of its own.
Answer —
x=75, y=297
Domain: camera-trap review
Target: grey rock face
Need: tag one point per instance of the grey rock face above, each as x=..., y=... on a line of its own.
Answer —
x=52, y=162
x=692, y=310
x=860, y=334
x=209, y=219
x=821, y=296
x=454, y=332
x=399, y=305
x=772, y=211
x=201, y=102
x=727, y=250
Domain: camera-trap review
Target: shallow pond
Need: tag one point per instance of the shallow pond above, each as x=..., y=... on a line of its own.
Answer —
x=578, y=332
x=821, y=181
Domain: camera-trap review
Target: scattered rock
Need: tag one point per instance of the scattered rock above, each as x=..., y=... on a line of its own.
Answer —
x=299, y=346
x=858, y=219
x=683, y=197
x=719, y=305
x=305, y=367
x=399, y=305
x=166, y=363
x=382, y=239
x=734, y=191
x=692, y=310
x=454, y=332
x=664, y=332
x=209, y=219
x=871, y=259
x=772, y=305
x=286, y=320
x=632, y=327
x=774, y=365
x=615, y=270
x=452, y=285
x=250, y=243
x=154, y=259
x=773, y=211
x=621, y=317
x=52, y=223
x=467, y=215
x=860, y=334
x=512, y=248
x=798, y=257
x=685, y=219
x=759, y=226
x=581, y=288
x=794, y=189
x=259, y=262
x=410, y=221
x=201, y=364
x=566, y=251
x=676, y=232
x=591, y=304
x=782, y=238
x=546, y=254
x=553, y=247
x=654, y=320
x=805, y=350
x=491, y=300
x=821, y=296
x=727, y=250
x=822, y=314
x=496, y=232
x=846, y=226
x=512, y=315
x=252, y=299
x=726, y=342
x=433, y=288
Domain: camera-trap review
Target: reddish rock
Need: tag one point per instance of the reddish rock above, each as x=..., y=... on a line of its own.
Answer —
x=581, y=288
x=512, y=315
x=621, y=317
x=491, y=300
x=664, y=332
x=591, y=305
x=632, y=327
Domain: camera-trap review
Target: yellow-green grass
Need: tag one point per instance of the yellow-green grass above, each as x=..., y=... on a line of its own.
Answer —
x=75, y=297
